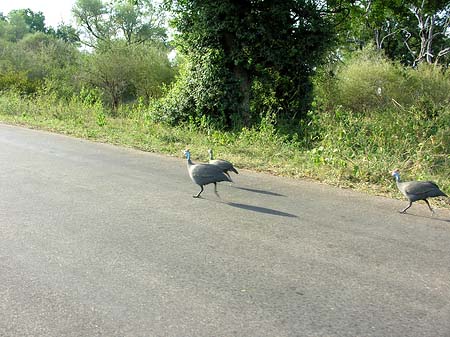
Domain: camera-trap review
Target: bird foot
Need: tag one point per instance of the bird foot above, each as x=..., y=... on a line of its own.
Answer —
x=196, y=196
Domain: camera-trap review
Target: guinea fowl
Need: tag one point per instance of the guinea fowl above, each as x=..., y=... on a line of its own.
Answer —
x=204, y=174
x=417, y=190
x=224, y=165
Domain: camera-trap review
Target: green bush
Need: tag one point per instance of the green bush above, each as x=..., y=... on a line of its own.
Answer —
x=175, y=105
x=370, y=82
x=18, y=81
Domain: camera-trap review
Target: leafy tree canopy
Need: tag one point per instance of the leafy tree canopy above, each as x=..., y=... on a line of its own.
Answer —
x=21, y=22
x=35, y=22
x=136, y=21
x=242, y=52
x=412, y=31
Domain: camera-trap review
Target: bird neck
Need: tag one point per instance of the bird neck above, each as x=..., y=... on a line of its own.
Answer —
x=210, y=155
x=188, y=157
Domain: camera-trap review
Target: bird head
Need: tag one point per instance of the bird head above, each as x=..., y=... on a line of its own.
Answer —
x=396, y=174
x=187, y=154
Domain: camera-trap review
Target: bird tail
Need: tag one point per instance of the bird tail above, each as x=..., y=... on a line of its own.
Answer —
x=442, y=194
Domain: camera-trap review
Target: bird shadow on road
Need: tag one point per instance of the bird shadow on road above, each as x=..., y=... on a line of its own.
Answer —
x=260, y=209
x=428, y=217
x=259, y=191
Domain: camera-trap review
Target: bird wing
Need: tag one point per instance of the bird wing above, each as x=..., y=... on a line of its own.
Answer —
x=209, y=173
x=420, y=187
x=223, y=164
x=220, y=162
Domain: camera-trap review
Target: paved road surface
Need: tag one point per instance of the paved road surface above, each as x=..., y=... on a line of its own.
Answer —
x=97, y=240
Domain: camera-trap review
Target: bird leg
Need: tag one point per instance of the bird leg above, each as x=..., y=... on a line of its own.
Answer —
x=215, y=190
x=432, y=211
x=404, y=211
x=198, y=195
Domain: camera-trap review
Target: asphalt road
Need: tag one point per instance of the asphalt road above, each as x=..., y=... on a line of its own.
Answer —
x=97, y=240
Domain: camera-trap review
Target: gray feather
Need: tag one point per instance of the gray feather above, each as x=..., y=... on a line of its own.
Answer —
x=419, y=190
x=224, y=165
x=203, y=174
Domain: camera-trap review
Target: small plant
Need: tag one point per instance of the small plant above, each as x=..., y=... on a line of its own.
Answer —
x=101, y=119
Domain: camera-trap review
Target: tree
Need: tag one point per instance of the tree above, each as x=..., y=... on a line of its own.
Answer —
x=150, y=70
x=35, y=60
x=68, y=34
x=432, y=37
x=412, y=31
x=3, y=25
x=107, y=70
x=16, y=27
x=136, y=21
x=34, y=21
x=245, y=52
x=139, y=20
x=24, y=21
x=129, y=58
x=125, y=72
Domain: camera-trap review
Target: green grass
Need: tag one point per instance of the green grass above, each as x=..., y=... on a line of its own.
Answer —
x=339, y=148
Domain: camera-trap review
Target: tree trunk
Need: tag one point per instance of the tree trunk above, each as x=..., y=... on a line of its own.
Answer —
x=430, y=41
x=242, y=76
x=244, y=85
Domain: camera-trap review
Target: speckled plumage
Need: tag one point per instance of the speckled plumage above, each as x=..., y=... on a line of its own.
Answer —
x=417, y=190
x=204, y=174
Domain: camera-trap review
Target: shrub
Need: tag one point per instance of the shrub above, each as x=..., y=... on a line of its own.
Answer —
x=370, y=82
x=18, y=81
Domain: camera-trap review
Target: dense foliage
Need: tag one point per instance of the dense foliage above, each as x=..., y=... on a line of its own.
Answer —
x=247, y=58
x=412, y=31
x=133, y=21
x=129, y=63
x=369, y=81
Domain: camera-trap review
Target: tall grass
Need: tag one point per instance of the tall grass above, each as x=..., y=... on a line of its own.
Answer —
x=363, y=148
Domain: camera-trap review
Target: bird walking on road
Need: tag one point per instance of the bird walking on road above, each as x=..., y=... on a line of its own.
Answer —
x=417, y=190
x=204, y=174
x=224, y=165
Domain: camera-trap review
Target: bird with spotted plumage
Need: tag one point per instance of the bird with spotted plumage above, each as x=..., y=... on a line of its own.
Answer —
x=417, y=190
x=204, y=174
